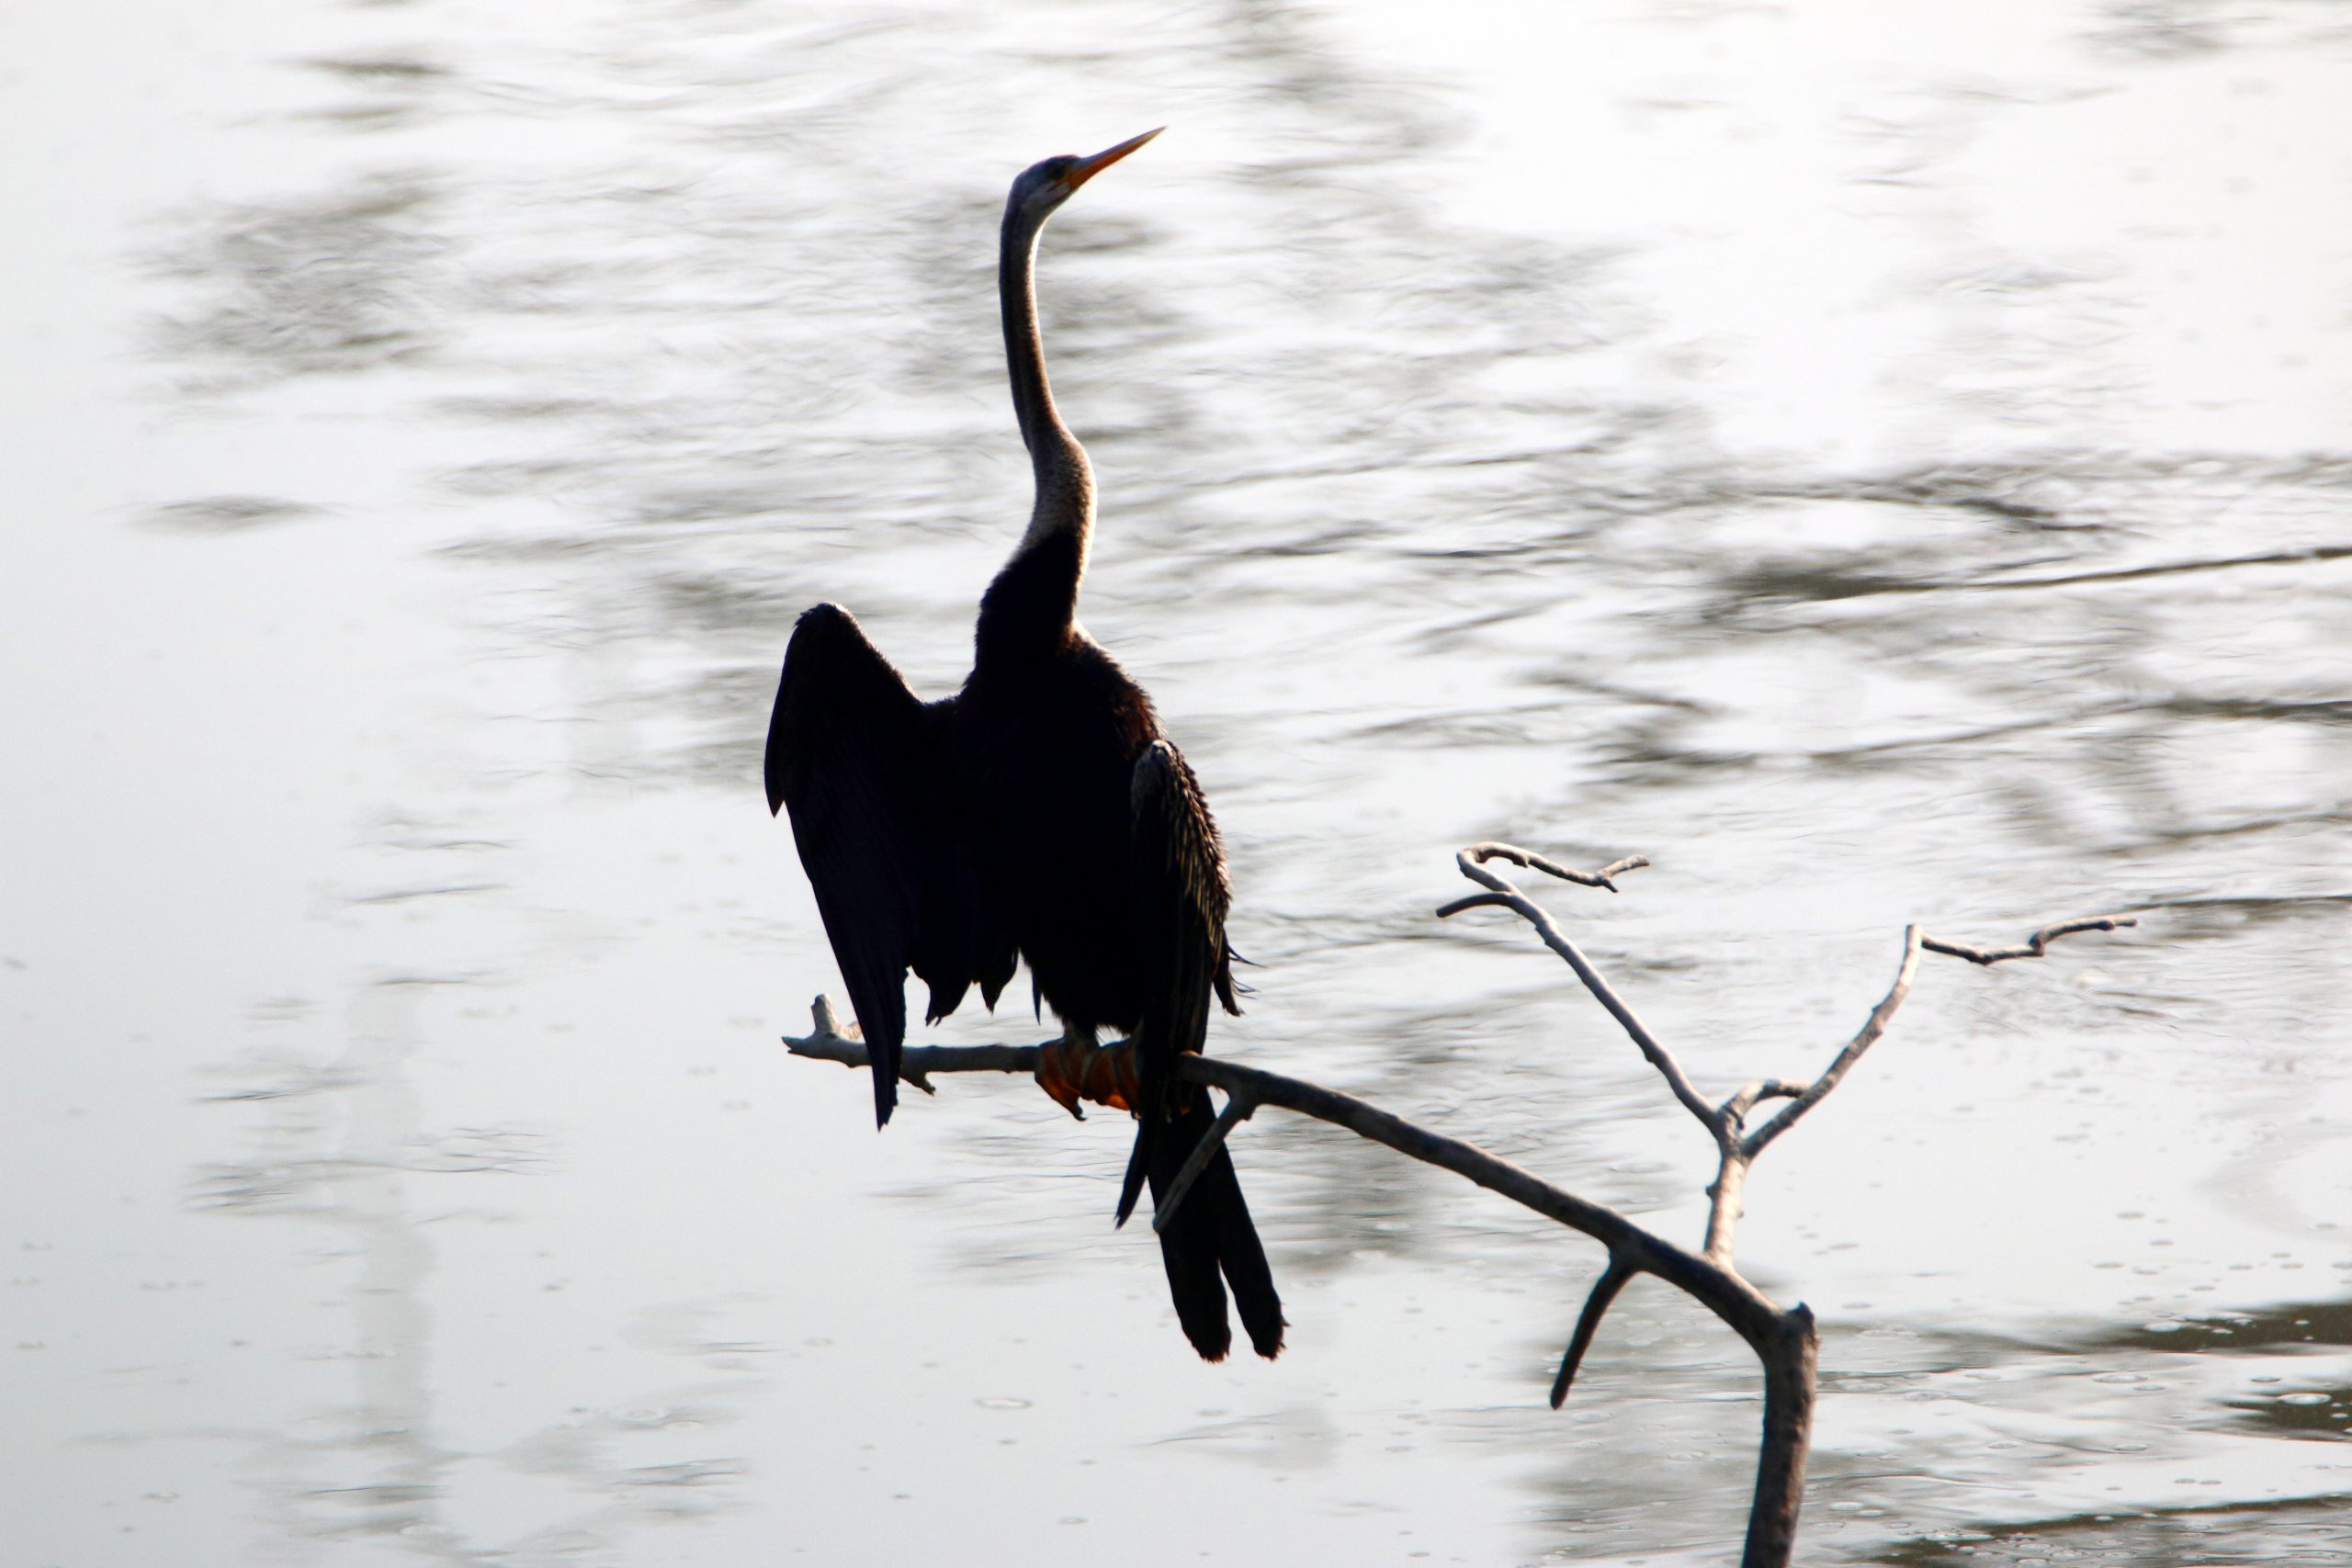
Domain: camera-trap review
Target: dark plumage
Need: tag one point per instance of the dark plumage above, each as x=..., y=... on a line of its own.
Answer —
x=1041, y=812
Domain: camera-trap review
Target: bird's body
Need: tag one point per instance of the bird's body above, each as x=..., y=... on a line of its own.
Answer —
x=1049, y=747
x=1041, y=812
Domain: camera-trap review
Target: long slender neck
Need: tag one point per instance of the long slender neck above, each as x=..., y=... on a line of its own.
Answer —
x=1065, y=503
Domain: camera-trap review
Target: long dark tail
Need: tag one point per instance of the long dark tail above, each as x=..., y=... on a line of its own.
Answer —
x=1212, y=1244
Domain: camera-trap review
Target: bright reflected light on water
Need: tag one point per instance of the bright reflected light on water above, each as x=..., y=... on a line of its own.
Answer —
x=1883, y=464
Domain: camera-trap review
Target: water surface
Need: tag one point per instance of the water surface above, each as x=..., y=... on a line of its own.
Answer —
x=1882, y=468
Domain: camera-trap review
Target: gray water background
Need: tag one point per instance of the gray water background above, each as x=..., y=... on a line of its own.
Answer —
x=1884, y=464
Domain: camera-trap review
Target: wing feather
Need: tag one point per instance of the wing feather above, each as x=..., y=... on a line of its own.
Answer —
x=866, y=770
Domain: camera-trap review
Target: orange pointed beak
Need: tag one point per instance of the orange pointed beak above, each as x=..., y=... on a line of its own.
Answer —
x=1088, y=168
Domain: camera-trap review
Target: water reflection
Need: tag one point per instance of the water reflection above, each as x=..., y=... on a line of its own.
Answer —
x=228, y=513
x=2301, y=1531
x=343, y=1146
x=1421, y=531
x=331, y=1151
x=330, y=284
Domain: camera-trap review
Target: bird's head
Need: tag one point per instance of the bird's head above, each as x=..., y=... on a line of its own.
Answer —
x=1043, y=187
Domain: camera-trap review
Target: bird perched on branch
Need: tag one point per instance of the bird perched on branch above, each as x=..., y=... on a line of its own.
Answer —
x=1041, y=812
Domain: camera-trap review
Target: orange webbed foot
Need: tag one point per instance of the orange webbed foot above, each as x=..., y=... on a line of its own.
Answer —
x=1074, y=1070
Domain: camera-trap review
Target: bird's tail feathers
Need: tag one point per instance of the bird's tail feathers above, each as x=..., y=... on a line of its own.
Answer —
x=1138, y=1165
x=1211, y=1245
x=883, y=1058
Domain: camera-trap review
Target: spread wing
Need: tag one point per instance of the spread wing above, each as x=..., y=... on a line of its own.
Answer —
x=867, y=770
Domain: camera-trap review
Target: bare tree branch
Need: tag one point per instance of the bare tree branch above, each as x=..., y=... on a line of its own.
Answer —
x=1785, y=1340
x=1738, y=1302
x=827, y=1044
x=1612, y=1280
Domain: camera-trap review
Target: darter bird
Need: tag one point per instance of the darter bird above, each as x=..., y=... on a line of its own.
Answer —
x=1040, y=814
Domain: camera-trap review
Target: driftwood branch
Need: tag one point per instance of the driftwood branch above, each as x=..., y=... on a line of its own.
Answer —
x=1785, y=1340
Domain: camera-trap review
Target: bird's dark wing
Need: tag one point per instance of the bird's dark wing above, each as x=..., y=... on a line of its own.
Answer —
x=867, y=769
x=1181, y=895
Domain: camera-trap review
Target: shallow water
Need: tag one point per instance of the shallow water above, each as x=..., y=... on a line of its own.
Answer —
x=1882, y=466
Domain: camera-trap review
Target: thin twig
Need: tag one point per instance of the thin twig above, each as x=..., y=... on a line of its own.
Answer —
x=2033, y=946
x=1915, y=941
x=1510, y=898
x=1612, y=1280
x=1474, y=901
x=1734, y=1110
x=1490, y=850
x=1864, y=1038
x=828, y=1042
x=1237, y=1110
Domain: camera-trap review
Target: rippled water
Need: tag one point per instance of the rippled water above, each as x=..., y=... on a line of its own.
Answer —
x=1882, y=464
